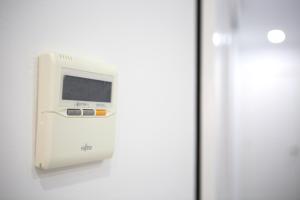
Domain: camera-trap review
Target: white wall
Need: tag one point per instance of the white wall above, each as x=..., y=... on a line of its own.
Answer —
x=266, y=122
x=215, y=146
x=208, y=112
x=250, y=103
x=152, y=43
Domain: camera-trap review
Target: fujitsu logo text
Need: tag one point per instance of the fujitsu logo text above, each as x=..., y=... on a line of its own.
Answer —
x=86, y=147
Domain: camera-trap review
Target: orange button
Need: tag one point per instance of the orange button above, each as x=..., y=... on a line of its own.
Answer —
x=100, y=112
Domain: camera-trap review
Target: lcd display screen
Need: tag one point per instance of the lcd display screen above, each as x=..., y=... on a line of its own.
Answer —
x=84, y=89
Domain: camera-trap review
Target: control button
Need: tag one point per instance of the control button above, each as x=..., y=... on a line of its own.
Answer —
x=73, y=112
x=100, y=112
x=89, y=112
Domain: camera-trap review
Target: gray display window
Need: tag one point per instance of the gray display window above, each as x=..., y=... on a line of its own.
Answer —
x=84, y=89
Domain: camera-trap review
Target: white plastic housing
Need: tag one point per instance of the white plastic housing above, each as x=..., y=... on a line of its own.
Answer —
x=63, y=140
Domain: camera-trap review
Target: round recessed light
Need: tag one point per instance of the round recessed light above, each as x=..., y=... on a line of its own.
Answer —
x=276, y=36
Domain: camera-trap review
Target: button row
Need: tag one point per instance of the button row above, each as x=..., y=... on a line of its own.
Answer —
x=86, y=112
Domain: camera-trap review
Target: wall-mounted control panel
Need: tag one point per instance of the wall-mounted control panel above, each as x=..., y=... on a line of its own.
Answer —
x=76, y=111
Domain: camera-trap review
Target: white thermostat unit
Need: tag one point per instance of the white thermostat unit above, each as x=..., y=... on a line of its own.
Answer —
x=76, y=111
